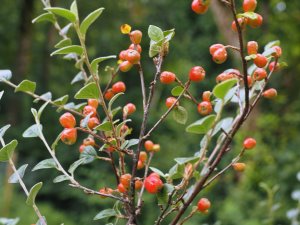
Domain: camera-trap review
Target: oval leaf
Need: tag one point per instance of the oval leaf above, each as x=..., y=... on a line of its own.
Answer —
x=221, y=89
x=95, y=62
x=3, y=130
x=180, y=114
x=87, y=22
x=60, y=178
x=45, y=164
x=63, y=13
x=7, y=151
x=33, y=131
x=201, y=126
x=68, y=49
x=176, y=91
x=155, y=33
x=26, y=86
x=105, y=214
x=44, y=17
x=5, y=74
x=88, y=91
x=105, y=126
x=33, y=193
x=13, y=179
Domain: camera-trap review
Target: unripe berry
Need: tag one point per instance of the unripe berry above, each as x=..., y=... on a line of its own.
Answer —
x=129, y=109
x=252, y=47
x=167, y=77
x=89, y=110
x=205, y=108
x=278, y=52
x=249, y=143
x=109, y=94
x=81, y=148
x=242, y=22
x=239, y=167
x=197, y=73
x=136, y=36
x=156, y=148
x=136, y=47
x=89, y=141
x=67, y=120
x=249, y=5
x=260, y=60
x=125, y=66
x=153, y=184
x=140, y=165
x=143, y=156
x=256, y=22
x=69, y=136
x=93, y=122
x=198, y=7
x=119, y=87
x=138, y=184
x=148, y=145
x=133, y=56
x=220, y=56
x=206, y=96
x=125, y=180
x=259, y=74
x=121, y=188
x=122, y=55
x=203, y=204
x=215, y=47
x=270, y=93
x=272, y=66
x=170, y=101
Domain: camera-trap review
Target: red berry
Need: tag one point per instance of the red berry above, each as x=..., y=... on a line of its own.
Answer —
x=153, y=184
x=220, y=55
x=215, y=47
x=136, y=36
x=125, y=180
x=154, y=175
x=133, y=56
x=129, y=109
x=249, y=5
x=198, y=7
x=136, y=47
x=170, y=101
x=206, y=96
x=119, y=87
x=69, y=136
x=167, y=77
x=260, y=60
x=148, y=145
x=203, y=204
x=121, y=188
x=197, y=73
x=205, y=108
x=93, y=102
x=109, y=94
x=143, y=156
x=125, y=66
x=278, y=52
x=93, y=122
x=252, y=47
x=249, y=143
x=259, y=74
x=270, y=93
x=273, y=67
x=122, y=55
x=89, y=141
x=89, y=110
x=256, y=22
x=242, y=22
x=67, y=120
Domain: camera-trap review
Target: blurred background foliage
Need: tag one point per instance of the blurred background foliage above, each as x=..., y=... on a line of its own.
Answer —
x=236, y=198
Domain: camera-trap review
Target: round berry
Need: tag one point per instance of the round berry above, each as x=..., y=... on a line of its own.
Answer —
x=270, y=93
x=278, y=52
x=153, y=184
x=129, y=109
x=239, y=167
x=67, y=120
x=274, y=68
x=154, y=175
x=93, y=122
x=250, y=81
x=121, y=188
x=106, y=191
x=170, y=101
x=133, y=56
x=215, y=47
x=93, y=102
x=206, y=96
x=109, y=94
x=148, y=145
x=257, y=22
x=220, y=55
x=203, y=204
x=242, y=23
x=125, y=180
x=197, y=73
x=69, y=136
x=260, y=60
x=249, y=143
x=138, y=184
x=205, y=108
x=89, y=141
x=249, y=5
x=198, y=7
x=252, y=47
x=156, y=148
x=143, y=156
x=140, y=165
x=167, y=77
x=125, y=66
x=122, y=55
x=89, y=110
x=136, y=36
x=136, y=47
x=259, y=74
x=119, y=87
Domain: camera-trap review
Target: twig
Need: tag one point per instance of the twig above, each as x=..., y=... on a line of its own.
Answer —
x=187, y=91
x=140, y=69
x=189, y=216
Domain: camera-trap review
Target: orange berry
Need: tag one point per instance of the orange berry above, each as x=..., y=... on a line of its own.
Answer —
x=143, y=156
x=206, y=96
x=122, y=55
x=138, y=184
x=260, y=60
x=242, y=22
x=239, y=167
x=153, y=184
x=140, y=165
x=249, y=143
x=148, y=145
x=89, y=110
x=220, y=56
x=197, y=73
x=167, y=77
x=69, y=136
x=67, y=120
x=273, y=67
x=249, y=5
x=125, y=180
x=93, y=102
x=252, y=47
x=205, y=108
x=171, y=101
x=89, y=141
x=119, y=87
x=93, y=122
x=278, y=52
x=270, y=93
x=133, y=56
x=81, y=148
x=136, y=47
x=125, y=66
x=121, y=188
x=198, y=7
x=254, y=23
x=156, y=148
x=109, y=94
x=259, y=74
x=129, y=109
x=215, y=47
x=136, y=36
x=203, y=204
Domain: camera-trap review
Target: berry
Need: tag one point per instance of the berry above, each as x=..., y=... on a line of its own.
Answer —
x=69, y=136
x=136, y=47
x=133, y=56
x=170, y=101
x=136, y=36
x=121, y=188
x=140, y=165
x=249, y=143
x=197, y=73
x=221, y=77
x=138, y=184
x=89, y=141
x=106, y=191
x=154, y=175
x=129, y=109
x=156, y=148
x=199, y=7
x=270, y=93
x=167, y=77
x=252, y=47
x=260, y=60
x=259, y=74
x=93, y=102
x=278, y=52
x=125, y=66
x=122, y=55
x=93, y=122
x=89, y=110
x=242, y=22
x=250, y=81
x=67, y=120
x=239, y=167
x=81, y=148
x=205, y=108
x=254, y=23
x=143, y=156
x=273, y=67
x=249, y=5
x=203, y=204
x=153, y=184
x=119, y=87
x=220, y=55
x=125, y=180
x=215, y=47
x=148, y=145
x=109, y=94
x=206, y=96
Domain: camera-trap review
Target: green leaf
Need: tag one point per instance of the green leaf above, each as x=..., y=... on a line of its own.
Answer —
x=163, y=194
x=60, y=178
x=62, y=100
x=8, y=150
x=250, y=15
x=221, y=89
x=45, y=164
x=87, y=22
x=26, y=86
x=154, y=49
x=155, y=33
x=33, y=193
x=45, y=97
x=44, y=17
x=6, y=221
x=185, y=160
x=63, y=43
x=224, y=124
x=169, y=34
x=132, y=142
x=33, y=131
x=78, y=77
x=113, y=99
x=250, y=57
x=159, y=172
x=89, y=154
x=180, y=114
x=14, y=178
x=74, y=8
x=176, y=91
x=120, y=125
x=41, y=109
x=105, y=213
x=272, y=44
x=76, y=49
x=3, y=130
x=105, y=126
x=5, y=75
x=63, y=13
x=269, y=52
x=95, y=62
x=88, y=91
x=201, y=126
x=76, y=164
x=176, y=172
